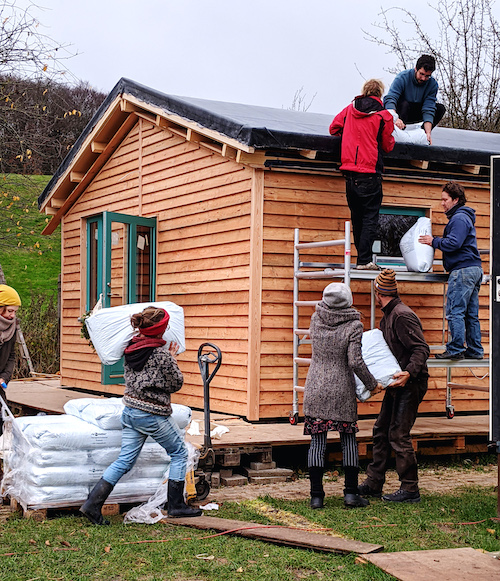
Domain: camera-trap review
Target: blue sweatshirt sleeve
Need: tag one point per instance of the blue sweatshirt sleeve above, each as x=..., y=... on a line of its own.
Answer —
x=455, y=237
x=395, y=91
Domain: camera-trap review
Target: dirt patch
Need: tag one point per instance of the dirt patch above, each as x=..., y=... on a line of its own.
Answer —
x=431, y=480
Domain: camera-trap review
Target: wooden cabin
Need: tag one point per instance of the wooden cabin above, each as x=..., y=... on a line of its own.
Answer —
x=196, y=202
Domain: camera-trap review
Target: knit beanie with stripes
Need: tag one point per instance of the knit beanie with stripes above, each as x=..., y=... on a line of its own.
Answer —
x=385, y=283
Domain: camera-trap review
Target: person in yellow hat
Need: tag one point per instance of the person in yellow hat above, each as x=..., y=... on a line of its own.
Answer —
x=9, y=303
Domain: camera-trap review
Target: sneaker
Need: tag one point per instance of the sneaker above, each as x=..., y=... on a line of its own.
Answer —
x=448, y=355
x=369, y=266
x=366, y=490
x=402, y=496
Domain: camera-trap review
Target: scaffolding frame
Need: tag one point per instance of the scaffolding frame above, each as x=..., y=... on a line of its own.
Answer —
x=329, y=271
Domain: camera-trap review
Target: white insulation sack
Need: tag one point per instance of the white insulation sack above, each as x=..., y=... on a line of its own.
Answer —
x=106, y=413
x=110, y=329
x=418, y=257
x=379, y=359
x=413, y=134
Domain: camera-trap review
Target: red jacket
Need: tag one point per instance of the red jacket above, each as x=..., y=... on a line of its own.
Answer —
x=366, y=129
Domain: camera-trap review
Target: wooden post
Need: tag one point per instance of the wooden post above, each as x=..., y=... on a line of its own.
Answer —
x=255, y=295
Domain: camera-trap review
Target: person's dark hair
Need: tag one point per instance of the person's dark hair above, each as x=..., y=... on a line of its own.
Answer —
x=147, y=318
x=456, y=192
x=426, y=62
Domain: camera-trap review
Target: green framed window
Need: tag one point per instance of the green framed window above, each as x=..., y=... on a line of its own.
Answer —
x=393, y=223
x=121, y=267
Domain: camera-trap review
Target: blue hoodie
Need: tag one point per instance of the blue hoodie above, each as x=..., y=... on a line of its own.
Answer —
x=459, y=244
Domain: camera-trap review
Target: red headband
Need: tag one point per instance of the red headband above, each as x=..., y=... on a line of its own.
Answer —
x=158, y=328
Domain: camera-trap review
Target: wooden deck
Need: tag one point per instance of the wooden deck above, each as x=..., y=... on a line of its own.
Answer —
x=431, y=435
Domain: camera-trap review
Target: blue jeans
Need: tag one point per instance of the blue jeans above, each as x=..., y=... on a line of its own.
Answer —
x=137, y=426
x=462, y=311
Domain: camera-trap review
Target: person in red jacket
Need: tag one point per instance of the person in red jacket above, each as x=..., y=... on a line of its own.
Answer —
x=366, y=129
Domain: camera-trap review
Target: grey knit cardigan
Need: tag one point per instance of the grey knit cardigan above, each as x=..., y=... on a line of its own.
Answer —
x=330, y=391
x=149, y=389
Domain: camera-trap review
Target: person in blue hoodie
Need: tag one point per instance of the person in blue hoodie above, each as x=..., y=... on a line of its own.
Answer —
x=412, y=95
x=461, y=259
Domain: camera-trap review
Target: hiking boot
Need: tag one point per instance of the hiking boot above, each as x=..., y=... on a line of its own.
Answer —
x=402, y=496
x=448, y=355
x=355, y=501
x=469, y=356
x=369, y=266
x=366, y=490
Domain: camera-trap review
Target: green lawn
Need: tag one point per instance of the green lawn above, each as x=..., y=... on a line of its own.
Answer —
x=68, y=548
x=31, y=262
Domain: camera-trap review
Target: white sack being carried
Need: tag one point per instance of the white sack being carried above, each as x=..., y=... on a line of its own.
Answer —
x=110, y=329
x=413, y=134
x=418, y=257
x=379, y=359
x=106, y=413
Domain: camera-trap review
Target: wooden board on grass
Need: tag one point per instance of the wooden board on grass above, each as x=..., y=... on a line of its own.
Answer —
x=463, y=564
x=278, y=534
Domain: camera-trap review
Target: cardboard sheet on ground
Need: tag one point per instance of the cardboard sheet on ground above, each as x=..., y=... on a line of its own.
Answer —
x=379, y=359
x=110, y=329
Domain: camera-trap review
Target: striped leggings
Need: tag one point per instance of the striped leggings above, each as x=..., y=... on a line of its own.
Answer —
x=317, y=450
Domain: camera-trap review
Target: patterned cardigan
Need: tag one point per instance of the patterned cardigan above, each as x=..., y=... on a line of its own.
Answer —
x=149, y=389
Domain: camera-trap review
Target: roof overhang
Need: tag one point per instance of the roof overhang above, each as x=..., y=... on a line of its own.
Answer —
x=260, y=137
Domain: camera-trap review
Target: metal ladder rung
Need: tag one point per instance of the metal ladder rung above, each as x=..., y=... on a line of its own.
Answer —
x=301, y=331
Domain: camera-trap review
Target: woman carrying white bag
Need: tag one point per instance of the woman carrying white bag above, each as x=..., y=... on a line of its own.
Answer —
x=151, y=375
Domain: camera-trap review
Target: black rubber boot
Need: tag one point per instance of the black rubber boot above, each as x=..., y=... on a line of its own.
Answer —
x=176, y=506
x=351, y=497
x=93, y=505
x=317, y=492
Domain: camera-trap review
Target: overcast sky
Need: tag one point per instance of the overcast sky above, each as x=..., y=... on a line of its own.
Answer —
x=246, y=51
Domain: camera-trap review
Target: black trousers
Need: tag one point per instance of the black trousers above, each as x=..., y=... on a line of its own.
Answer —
x=364, y=198
x=412, y=112
x=392, y=432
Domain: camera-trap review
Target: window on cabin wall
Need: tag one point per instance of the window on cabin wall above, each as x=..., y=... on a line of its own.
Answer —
x=121, y=259
x=393, y=223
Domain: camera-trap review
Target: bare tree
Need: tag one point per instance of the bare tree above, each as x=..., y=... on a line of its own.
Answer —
x=300, y=101
x=467, y=51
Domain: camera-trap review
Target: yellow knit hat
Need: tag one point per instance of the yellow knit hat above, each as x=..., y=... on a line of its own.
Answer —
x=9, y=296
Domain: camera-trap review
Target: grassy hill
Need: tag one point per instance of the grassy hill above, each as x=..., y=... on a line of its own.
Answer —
x=31, y=262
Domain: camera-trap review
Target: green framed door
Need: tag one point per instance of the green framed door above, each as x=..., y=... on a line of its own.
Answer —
x=121, y=260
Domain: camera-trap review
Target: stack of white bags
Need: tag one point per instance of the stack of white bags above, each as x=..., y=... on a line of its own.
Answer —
x=58, y=459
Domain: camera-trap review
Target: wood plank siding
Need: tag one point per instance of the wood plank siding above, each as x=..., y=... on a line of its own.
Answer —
x=225, y=254
x=317, y=205
x=202, y=202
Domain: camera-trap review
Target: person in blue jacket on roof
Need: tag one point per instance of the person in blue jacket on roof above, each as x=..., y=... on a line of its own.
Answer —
x=412, y=95
x=461, y=259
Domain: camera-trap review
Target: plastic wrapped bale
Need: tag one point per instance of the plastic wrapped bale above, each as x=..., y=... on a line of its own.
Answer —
x=106, y=413
x=110, y=329
x=56, y=460
x=379, y=359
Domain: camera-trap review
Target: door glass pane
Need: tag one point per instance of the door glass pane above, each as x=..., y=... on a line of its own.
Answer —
x=142, y=249
x=118, y=283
